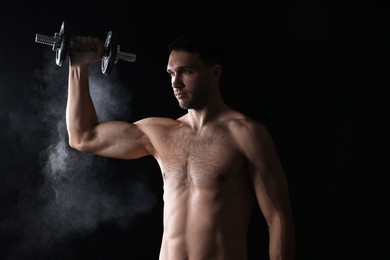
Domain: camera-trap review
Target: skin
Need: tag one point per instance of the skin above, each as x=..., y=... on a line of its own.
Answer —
x=216, y=163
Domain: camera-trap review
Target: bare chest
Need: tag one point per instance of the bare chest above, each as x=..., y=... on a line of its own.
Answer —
x=201, y=159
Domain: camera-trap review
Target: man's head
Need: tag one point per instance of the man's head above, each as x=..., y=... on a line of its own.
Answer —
x=195, y=66
x=207, y=45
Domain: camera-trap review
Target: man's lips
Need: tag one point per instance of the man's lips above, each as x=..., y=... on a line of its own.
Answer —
x=180, y=95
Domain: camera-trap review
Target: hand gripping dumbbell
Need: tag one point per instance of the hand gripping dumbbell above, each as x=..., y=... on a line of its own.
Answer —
x=60, y=44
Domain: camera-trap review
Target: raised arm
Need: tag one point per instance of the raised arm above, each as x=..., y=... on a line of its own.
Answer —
x=111, y=139
x=271, y=189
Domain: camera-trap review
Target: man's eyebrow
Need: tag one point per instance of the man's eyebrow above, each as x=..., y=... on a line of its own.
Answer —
x=179, y=68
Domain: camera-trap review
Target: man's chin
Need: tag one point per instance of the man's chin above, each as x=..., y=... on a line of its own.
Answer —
x=183, y=105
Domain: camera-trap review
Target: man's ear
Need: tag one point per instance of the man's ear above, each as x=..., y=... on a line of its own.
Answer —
x=217, y=71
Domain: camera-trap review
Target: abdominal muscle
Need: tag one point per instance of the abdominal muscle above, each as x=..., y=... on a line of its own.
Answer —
x=206, y=221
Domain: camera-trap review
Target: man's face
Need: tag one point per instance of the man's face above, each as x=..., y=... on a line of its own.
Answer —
x=190, y=79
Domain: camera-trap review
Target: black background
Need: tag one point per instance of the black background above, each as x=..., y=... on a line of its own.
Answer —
x=314, y=72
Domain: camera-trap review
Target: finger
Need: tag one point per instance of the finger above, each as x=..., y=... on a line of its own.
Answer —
x=99, y=47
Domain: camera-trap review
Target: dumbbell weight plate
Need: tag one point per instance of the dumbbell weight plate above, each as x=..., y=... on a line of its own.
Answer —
x=109, y=57
x=61, y=52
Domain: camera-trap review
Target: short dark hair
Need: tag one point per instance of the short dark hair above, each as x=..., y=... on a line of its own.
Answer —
x=208, y=45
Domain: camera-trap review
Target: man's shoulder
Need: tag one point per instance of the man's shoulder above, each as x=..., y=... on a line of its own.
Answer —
x=240, y=120
x=242, y=125
x=158, y=121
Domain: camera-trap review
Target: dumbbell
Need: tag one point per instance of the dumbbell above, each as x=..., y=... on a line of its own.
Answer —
x=61, y=44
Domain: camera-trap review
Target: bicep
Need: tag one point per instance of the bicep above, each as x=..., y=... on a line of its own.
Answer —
x=267, y=173
x=270, y=186
x=116, y=139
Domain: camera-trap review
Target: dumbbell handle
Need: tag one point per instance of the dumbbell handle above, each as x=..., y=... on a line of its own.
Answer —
x=126, y=56
x=56, y=40
x=48, y=40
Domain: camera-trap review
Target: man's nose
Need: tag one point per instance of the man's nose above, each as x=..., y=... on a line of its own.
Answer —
x=176, y=82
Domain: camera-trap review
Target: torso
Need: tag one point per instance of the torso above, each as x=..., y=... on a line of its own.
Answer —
x=208, y=196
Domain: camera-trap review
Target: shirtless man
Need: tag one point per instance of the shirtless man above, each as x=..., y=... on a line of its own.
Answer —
x=215, y=162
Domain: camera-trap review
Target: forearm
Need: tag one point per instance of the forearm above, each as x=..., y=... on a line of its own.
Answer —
x=281, y=241
x=81, y=115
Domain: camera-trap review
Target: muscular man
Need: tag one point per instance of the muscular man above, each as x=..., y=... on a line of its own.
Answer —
x=215, y=161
